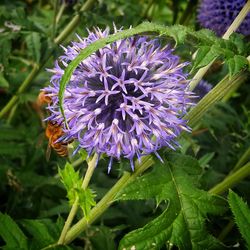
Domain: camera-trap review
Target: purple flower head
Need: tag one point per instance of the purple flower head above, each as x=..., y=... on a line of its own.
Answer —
x=125, y=100
x=202, y=89
x=218, y=15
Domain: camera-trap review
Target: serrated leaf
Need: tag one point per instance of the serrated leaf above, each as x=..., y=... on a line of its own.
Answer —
x=73, y=184
x=205, y=55
x=183, y=222
x=12, y=234
x=178, y=32
x=33, y=41
x=236, y=64
x=69, y=177
x=238, y=40
x=241, y=214
x=86, y=201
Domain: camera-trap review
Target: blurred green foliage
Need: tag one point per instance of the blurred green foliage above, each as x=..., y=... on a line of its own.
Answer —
x=34, y=204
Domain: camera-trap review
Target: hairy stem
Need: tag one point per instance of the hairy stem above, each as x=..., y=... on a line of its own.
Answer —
x=215, y=95
x=28, y=80
x=233, y=27
x=231, y=180
x=73, y=211
x=108, y=199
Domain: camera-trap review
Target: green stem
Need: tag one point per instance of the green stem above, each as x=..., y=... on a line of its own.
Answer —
x=12, y=113
x=54, y=20
x=244, y=158
x=24, y=85
x=108, y=199
x=60, y=12
x=231, y=180
x=64, y=34
x=73, y=211
x=233, y=27
x=215, y=95
x=226, y=230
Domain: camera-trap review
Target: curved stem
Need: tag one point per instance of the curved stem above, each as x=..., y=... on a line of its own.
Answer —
x=62, y=36
x=233, y=27
x=73, y=211
x=231, y=180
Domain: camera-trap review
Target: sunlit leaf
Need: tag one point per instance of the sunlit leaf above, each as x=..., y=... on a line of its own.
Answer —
x=183, y=222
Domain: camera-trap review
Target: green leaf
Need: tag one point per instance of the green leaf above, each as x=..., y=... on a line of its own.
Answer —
x=241, y=214
x=236, y=64
x=86, y=200
x=43, y=232
x=205, y=159
x=33, y=41
x=12, y=234
x=69, y=177
x=73, y=184
x=183, y=222
x=5, y=43
x=3, y=82
x=205, y=55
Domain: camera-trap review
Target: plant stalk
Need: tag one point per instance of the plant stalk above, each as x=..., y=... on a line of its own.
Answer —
x=231, y=180
x=233, y=27
x=244, y=158
x=73, y=211
x=215, y=95
x=108, y=199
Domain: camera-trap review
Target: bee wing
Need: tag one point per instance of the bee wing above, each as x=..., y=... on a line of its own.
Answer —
x=48, y=152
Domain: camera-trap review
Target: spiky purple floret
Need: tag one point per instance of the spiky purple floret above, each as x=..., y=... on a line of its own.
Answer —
x=202, y=89
x=218, y=15
x=127, y=99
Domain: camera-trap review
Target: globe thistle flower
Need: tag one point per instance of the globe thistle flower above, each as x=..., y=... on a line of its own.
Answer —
x=202, y=89
x=218, y=15
x=125, y=100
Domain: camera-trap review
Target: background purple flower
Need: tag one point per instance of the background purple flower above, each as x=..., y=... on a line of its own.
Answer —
x=127, y=99
x=218, y=15
x=202, y=89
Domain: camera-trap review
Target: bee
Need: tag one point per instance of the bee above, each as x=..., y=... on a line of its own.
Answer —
x=53, y=132
x=43, y=99
x=39, y=104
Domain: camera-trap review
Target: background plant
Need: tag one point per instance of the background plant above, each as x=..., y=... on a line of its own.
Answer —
x=151, y=210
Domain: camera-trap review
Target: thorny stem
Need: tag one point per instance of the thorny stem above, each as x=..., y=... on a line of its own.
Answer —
x=73, y=211
x=231, y=180
x=60, y=38
x=233, y=27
